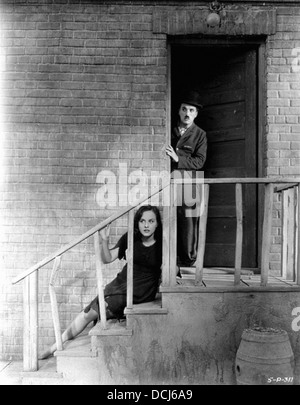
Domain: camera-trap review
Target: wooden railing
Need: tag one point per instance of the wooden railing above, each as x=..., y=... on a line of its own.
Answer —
x=30, y=277
x=290, y=228
x=169, y=268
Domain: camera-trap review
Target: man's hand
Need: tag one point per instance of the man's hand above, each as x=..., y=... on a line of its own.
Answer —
x=171, y=152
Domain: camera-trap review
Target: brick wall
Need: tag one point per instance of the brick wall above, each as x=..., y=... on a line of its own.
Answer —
x=282, y=146
x=83, y=89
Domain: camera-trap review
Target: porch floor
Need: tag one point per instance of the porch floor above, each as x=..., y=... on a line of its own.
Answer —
x=222, y=279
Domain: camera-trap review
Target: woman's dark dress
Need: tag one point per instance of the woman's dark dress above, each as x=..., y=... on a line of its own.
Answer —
x=147, y=262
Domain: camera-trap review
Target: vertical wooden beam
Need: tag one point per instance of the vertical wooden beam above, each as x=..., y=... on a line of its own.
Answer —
x=167, y=191
x=239, y=233
x=54, y=306
x=30, y=323
x=289, y=233
x=298, y=237
x=261, y=136
x=130, y=259
x=284, y=238
x=202, y=236
x=295, y=232
x=166, y=238
x=267, y=230
x=100, y=284
x=173, y=234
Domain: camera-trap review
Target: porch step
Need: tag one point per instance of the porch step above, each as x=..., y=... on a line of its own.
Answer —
x=77, y=362
x=114, y=327
x=78, y=347
x=115, y=346
x=147, y=308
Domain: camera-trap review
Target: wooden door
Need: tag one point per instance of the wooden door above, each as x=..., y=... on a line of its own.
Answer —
x=226, y=79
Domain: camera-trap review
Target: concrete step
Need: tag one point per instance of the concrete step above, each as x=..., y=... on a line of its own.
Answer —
x=147, y=308
x=77, y=362
x=114, y=327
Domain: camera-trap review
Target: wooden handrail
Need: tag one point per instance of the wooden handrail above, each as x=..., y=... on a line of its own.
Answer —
x=116, y=216
x=84, y=236
x=242, y=180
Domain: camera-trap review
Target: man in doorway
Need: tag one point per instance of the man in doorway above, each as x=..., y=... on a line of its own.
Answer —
x=188, y=154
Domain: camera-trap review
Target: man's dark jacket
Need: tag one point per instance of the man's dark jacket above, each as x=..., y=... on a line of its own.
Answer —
x=191, y=148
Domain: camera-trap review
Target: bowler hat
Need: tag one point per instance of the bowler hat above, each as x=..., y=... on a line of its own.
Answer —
x=192, y=98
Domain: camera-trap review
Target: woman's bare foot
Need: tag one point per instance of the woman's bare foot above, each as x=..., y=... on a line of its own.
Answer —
x=48, y=353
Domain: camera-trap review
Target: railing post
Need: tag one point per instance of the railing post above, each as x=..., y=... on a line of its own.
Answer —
x=54, y=306
x=267, y=231
x=173, y=233
x=102, y=305
x=202, y=236
x=130, y=259
x=289, y=221
x=30, y=331
x=166, y=237
x=298, y=237
x=239, y=233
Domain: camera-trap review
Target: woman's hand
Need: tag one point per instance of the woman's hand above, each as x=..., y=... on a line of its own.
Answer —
x=171, y=152
x=105, y=233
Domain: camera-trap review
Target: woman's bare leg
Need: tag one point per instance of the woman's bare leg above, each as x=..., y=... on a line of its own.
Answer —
x=77, y=326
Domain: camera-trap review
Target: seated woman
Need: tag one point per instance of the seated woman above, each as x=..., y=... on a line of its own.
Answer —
x=147, y=260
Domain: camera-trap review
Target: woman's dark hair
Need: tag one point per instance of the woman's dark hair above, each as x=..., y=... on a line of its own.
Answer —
x=138, y=216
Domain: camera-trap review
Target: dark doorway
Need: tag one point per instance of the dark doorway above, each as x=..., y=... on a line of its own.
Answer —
x=226, y=78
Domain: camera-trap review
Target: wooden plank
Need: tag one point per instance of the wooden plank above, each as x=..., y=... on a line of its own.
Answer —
x=173, y=234
x=290, y=273
x=251, y=146
x=100, y=283
x=283, y=187
x=130, y=260
x=30, y=323
x=298, y=237
x=166, y=242
x=167, y=190
x=226, y=289
x=202, y=236
x=26, y=326
x=289, y=232
x=284, y=226
x=239, y=234
x=295, y=232
x=266, y=237
x=261, y=125
x=243, y=180
x=54, y=306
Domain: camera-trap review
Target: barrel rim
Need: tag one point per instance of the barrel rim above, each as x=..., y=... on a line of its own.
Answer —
x=265, y=330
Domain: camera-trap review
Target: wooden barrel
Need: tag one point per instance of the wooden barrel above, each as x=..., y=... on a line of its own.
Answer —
x=264, y=357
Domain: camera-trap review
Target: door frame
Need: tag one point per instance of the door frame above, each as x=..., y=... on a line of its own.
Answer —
x=259, y=42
